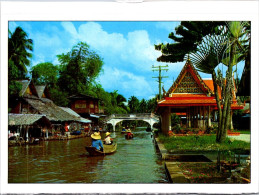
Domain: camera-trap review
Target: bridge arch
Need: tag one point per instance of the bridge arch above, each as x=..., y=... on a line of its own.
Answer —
x=150, y=118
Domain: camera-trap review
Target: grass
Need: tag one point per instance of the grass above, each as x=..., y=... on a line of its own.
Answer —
x=244, y=131
x=201, y=143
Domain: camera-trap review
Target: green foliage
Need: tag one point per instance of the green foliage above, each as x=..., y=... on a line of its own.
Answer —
x=203, y=143
x=58, y=96
x=19, y=53
x=78, y=69
x=14, y=88
x=45, y=73
x=175, y=119
x=185, y=40
x=133, y=104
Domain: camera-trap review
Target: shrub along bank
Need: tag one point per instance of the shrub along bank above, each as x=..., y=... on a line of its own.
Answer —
x=196, y=143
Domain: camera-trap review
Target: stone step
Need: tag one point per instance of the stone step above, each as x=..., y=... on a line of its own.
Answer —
x=174, y=173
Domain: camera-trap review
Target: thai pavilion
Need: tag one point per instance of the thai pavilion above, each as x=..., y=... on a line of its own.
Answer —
x=192, y=98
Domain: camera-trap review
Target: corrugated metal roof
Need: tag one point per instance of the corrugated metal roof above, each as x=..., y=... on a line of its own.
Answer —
x=80, y=119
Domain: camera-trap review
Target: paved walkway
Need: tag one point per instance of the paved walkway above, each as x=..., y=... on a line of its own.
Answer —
x=242, y=137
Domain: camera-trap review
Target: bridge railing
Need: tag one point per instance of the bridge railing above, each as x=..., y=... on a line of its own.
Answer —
x=132, y=115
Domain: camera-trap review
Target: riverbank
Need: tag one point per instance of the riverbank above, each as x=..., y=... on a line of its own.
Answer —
x=21, y=141
x=198, y=168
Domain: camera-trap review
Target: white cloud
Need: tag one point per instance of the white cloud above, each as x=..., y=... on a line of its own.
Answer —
x=70, y=28
x=128, y=83
x=135, y=49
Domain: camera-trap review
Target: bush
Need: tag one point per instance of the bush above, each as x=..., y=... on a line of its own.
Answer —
x=175, y=119
x=201, y=143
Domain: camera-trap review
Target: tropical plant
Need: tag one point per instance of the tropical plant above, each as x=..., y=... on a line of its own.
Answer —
x=133, y=104
x=45, y=73
x=188, y=35
x=215, y=49
x=19, y=53
x=78, y=69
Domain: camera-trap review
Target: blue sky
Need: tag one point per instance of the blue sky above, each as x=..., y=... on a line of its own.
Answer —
x=127, y=49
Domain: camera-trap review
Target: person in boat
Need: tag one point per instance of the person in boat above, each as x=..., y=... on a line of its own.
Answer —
x=96, y=141
x=129, y=134
x=123, y=129
x=108, y=140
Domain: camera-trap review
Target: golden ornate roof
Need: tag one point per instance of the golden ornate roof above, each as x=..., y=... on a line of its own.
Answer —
x=189, y=81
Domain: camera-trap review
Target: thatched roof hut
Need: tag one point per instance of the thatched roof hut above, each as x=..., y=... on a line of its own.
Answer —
x=27, y=119
x=52, y=111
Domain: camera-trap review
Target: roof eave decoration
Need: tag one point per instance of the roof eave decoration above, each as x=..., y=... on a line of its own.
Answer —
x=189, y=67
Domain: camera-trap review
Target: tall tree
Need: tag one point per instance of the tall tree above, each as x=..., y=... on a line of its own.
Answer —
x=188, y=35
x=79, y=68
x=216, y=49
x=19, y=53
x=45, y=73
x=151, y=105
x=142, y=106
x=133, y=104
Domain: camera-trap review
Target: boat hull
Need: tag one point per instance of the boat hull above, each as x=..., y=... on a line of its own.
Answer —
x=107, y=149
x=129, y=136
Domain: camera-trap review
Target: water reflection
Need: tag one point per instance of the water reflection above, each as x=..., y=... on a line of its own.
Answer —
x=135, y=161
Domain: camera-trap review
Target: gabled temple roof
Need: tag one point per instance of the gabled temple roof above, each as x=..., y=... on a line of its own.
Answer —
x=191, y=72
x=42, y=89
x=25, y=85
x=189, y=89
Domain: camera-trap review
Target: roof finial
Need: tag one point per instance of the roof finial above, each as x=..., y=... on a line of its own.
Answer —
x=188, y=58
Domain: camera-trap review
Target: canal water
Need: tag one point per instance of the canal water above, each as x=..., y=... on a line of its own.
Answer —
x=135, y=161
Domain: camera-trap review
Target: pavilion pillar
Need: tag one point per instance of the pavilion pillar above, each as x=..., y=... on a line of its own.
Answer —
x=200, y=117
x=166, y=120
x=231, y=120
x=209, y=120
x=189, y=117
x=27, y=133
x=203, y=117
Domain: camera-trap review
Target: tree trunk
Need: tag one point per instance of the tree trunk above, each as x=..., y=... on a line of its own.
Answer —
x=227, y=97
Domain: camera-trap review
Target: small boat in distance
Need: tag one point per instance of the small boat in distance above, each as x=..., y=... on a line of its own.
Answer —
x=148, y=129
x=127, y=136
x=107, y=149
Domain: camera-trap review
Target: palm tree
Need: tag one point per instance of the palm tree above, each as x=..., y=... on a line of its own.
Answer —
x=133, y=104
x=216, y=49
x=19, y=53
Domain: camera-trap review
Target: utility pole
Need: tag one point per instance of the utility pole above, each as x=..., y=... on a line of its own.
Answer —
x=159, y=69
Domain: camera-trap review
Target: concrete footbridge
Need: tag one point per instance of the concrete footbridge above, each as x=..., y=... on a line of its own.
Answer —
x=147, y=117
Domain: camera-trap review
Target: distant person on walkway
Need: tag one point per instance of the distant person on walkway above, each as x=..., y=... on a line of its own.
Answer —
x=108, y=140
x=96, y=141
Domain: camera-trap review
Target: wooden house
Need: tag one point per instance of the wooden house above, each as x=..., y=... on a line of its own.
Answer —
x=87, y=106
x=35, y=100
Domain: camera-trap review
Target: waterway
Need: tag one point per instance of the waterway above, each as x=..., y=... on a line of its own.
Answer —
x=136, y=161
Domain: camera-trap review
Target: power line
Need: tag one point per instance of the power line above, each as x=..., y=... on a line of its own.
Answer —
x=159, y=69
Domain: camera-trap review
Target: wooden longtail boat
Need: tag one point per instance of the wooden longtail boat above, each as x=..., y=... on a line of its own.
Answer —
x=107, y=149
x=129, y=136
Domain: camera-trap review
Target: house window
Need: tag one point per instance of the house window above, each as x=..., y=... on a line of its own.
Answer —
x=91, y=104
x=80, y=104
